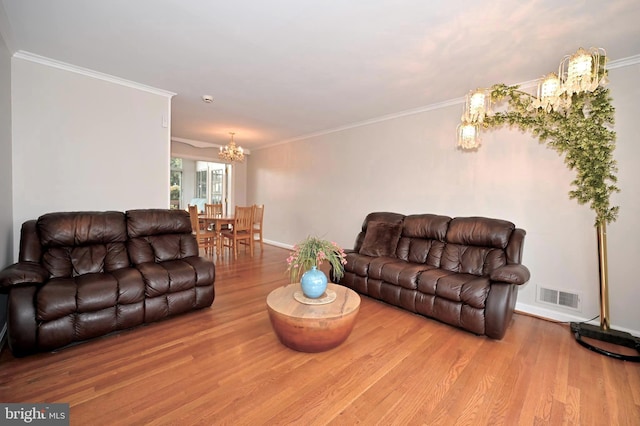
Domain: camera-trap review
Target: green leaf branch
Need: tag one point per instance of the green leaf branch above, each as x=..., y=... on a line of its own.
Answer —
x=582, y=135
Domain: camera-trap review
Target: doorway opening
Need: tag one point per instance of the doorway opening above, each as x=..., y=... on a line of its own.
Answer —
x=197, y=182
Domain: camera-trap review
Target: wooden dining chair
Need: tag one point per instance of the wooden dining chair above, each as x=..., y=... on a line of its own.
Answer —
x=213, y=210
x=258, y=216
x=206, y=239
x=242, y=230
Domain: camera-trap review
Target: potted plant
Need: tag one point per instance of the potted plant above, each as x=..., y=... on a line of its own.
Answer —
x=305, y=259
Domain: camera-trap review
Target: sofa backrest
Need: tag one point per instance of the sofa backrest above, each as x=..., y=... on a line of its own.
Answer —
x=157, y=235
x=476, y=245
x=472, y=245
x=422, y=239
x=77, y=243
x=30, y=248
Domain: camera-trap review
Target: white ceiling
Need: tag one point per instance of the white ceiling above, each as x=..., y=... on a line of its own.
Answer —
x=282, y=69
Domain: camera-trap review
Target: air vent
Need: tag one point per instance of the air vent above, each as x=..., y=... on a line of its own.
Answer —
x=557, y=297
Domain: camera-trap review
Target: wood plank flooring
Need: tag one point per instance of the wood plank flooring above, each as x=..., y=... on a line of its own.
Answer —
x=225, y=366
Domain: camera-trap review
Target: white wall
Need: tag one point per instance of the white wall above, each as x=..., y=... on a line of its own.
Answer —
x=188, y=181
x=84, y=143
x=6, y=206
x=6, y=203
x=624, y=235
x=325, y=185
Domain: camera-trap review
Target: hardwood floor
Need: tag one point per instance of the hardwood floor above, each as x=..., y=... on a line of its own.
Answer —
x=224, y=365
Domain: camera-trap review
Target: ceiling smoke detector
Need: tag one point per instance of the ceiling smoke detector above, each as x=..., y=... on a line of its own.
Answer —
x=207, y=99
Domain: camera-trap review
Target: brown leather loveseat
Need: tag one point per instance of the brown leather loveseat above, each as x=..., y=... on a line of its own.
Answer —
x=86, y=274
x=462, y=271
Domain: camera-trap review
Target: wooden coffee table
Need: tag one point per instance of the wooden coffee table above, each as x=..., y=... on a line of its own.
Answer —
x=312, y=327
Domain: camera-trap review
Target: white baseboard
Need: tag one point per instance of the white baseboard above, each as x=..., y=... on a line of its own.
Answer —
x=278, y=244
x=564, y=317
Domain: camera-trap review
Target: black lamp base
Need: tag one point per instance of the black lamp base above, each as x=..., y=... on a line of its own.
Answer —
x=615, y=337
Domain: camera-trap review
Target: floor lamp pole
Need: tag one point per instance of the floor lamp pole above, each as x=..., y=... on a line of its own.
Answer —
x=604, y=276
x=604, y=332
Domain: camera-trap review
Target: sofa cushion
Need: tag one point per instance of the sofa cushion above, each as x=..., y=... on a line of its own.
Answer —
x=88, y=293
x=381, y=239
x=377, y=264
x=404, y=274
x=357, y=263
x=426, y=226
x=417, y=250
x=157, y=235
x=422, y=238
x=376, y=217
x=77, y=243
x=72, y=229
x=480, y=231
x=145, y=222
x=472, y=260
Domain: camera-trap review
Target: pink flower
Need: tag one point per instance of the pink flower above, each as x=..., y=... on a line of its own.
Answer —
x=314, y=252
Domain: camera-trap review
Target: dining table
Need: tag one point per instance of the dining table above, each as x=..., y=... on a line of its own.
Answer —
x=217, y=222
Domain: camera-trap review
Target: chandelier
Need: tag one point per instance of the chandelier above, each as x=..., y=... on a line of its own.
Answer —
x=584, y=71
x=231, y=152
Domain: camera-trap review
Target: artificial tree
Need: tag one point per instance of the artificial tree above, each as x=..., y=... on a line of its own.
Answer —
x=581, y=133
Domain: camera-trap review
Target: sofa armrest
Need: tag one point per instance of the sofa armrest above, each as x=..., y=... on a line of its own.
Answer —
x=23, y=273
x=512, y=274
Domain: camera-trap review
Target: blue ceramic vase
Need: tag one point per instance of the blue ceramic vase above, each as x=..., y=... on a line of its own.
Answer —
x=313, y=283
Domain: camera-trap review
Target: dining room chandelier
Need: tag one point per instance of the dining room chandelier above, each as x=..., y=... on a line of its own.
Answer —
x=584, y=71
x=231, y=152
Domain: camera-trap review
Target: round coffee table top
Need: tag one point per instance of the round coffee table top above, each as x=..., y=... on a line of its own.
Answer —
x=282, y=300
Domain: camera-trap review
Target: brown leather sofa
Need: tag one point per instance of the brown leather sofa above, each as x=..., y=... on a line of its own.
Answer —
x=462, y=271
x=86, y=274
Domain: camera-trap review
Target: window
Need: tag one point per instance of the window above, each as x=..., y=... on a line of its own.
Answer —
x=175, y=183
x=201, y=184
x=212, y=183
x=217, y=176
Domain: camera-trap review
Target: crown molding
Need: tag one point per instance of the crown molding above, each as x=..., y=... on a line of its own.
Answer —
x=201, y=144
x=21, y=54
x=618, y=63
x=368, y=122
x=624, y=62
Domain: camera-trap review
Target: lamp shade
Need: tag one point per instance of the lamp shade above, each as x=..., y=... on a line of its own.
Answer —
x=477, y=106
x=583, y=71
x=468, y=136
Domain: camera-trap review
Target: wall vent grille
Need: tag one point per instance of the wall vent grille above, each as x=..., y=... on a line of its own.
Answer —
x=560, y=298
